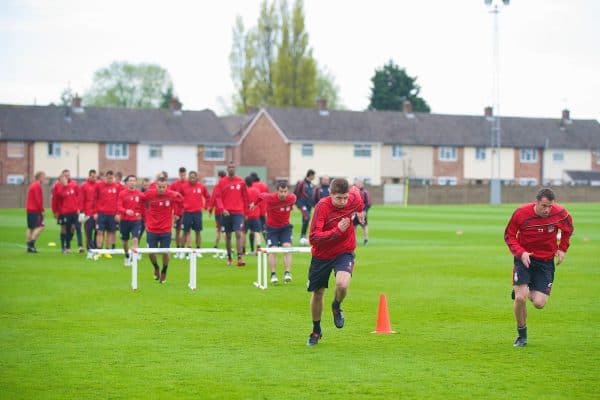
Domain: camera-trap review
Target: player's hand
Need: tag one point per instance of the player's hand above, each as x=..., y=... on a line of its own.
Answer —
x=129, y=212
x=344, y=224
x=525, y=259
x=117, y=218
x=81, y=217
x=252, y=205
x=95, y=217
x=225, y=213
x=560, y=256
x=361, y=217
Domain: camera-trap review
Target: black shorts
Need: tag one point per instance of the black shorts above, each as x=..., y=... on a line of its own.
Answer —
x=192, y=221
x=106, y=222
x=320, y=270
x=158, y=240
x=279, y=236
x=35, y=220
x=178, y=223
x=130, y=228
x=219, y=221
x=68, y=219
x=233, y=222
x=356, y=222
x=253, y=225
x=539, y=276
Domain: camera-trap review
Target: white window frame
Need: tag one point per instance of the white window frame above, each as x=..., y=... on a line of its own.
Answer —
x=362, y=151
x=54, y=149
x=211, y=153
x=558, y=156
x=398, y=152
x=155, y=151
x=15, y=149
x=480, y=153
x=14, y=179
x=447, y=153
x=528, y=181
x=307, y=150
x=117, y=151
x=528, y=155
x=447, y=180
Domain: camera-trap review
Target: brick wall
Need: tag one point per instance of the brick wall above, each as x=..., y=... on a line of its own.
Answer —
x=207, y=168
x=264, y=146
x=528, y=170
x=16, y=165
x=128, y=166
x=449, y=168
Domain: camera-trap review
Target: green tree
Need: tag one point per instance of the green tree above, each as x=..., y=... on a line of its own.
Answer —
x=129, y=85
x=66, y=97
x=241, y=59
x=327, y=89
x=392, y=86
x=265, y=38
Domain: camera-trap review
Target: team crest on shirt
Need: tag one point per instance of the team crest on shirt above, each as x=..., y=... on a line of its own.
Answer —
x=137, y=199
x=167, y=203
x=550, y=229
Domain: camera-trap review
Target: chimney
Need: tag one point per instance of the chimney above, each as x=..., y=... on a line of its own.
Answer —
x=566, y=115
x=76, y=104
x=322, y=106
x=488, y=112
x=175, y=106
x=407, y=108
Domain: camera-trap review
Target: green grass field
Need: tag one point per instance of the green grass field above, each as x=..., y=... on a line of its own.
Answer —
x=73, y=328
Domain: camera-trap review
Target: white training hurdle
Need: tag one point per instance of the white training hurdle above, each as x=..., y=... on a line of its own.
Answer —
x=262, y=262
x=194, y=253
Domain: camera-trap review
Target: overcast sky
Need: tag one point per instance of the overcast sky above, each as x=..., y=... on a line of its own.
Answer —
x=549, y=49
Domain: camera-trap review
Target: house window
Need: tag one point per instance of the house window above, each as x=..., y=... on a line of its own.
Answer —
x=480, y=153
x=214, y=153
x=528, y=155
x=117, y=151
x=447, y=180
x=397, y=152
x=53, y=149
x=447, y=153
x=558, y=156
x=15, y=179
x=527, y=181
x=155, y=151
x=362, y=150
x=307, y=150
x=15, y=149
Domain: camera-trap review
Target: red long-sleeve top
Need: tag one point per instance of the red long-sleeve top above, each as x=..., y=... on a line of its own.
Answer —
x=253, y=199
x=35, y=198
x=528, y=232
x=278, y=211
x=158, y=215
x=232, y=195
x=87, y=197
x=107, y=195
x=195, y=197
x=65, y=199
x=327, y=240
x=262, y=188
x=130, y=200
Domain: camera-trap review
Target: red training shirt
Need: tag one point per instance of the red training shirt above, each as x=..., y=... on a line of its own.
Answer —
x=35, y=198
x=106, y=197
x=232, y=195
x=195, y=197
x=278, y=211
x=65, y=199
x=253, y=199
x=130, y=200
x=87, y=197
x=159, y=210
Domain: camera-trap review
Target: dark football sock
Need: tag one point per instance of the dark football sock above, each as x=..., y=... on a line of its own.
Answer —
x=164, y=269
x=336, y=304
x=522, y=331
x=317, y=326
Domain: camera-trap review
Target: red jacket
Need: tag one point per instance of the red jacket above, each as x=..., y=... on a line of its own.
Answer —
x=158, y=215
x=253, y=198
x=65, y=199
x=130, y=200
x=278, y=211
x=87, y=197
x=527, y=231
x=195, y=197
x=35, y=198
x=327, y=240
x=262, y=188
x=232, y=195
x=107, y=196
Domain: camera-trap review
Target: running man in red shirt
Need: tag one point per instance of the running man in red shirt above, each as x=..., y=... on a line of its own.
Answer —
x=179, y=235
x=212, y=206
x=536, y=233
x=366, y=197
x=262, y=188
x=107, y=194
x=232, y=196
x=279, y=230
x=129, y=208
x=160, y=206
x=87, y=206
x=195, y=199
x=65, y=206
x=333, y=242
x=34, y=207
x=253, y=222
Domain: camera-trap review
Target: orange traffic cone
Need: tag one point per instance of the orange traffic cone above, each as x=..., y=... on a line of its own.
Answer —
x=383, y=318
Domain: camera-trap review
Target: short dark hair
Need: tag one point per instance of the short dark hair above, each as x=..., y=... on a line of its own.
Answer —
x=547, y=193
x=222, y=173
x=191, y=173
x=161, y=179
x=109, y=172
x=310, y=172
x=182, y=169
x=282, y=184
x=129, y=177
x=249, y=180
x=339, y=186
x=39, y=174
x=91, y=171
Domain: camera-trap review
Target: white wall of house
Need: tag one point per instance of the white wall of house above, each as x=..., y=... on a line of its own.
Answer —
x=556, y=161
x=411, y=161
x=487, y=168
x=169, y=158
x=79, y=158
x=337, y=160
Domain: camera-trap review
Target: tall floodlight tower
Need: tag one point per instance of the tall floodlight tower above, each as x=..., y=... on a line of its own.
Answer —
x=496, y=133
